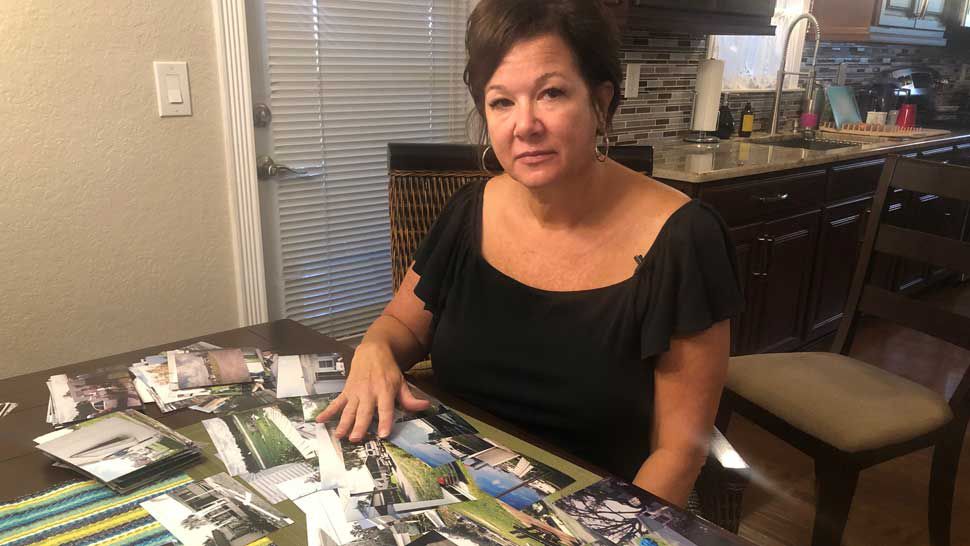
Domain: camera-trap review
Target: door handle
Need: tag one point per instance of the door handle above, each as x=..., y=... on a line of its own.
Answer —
x=764, y=245
x=267, y=168
x=765, y=199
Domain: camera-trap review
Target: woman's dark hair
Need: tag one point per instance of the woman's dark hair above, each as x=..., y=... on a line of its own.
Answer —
x=495, y=26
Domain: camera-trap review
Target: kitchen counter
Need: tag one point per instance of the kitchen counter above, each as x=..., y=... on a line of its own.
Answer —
x=699, y=163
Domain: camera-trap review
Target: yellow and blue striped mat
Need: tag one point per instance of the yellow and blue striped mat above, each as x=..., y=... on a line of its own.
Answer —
x=85, y=513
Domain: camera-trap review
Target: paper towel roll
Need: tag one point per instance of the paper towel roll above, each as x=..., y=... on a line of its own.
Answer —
x=707, y=95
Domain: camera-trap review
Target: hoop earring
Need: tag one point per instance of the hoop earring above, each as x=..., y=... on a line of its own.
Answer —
x=601, y=157
x=482, y=159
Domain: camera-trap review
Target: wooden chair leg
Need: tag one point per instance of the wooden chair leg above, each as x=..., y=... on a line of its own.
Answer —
x=946, y=459
x=835, y=486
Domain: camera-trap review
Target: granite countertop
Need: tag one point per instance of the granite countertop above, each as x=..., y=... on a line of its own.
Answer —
x=698, y=163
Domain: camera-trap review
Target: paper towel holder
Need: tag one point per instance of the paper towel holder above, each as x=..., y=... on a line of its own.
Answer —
x=701, y=137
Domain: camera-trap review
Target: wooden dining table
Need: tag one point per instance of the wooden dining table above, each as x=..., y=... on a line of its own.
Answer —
x=25, y=470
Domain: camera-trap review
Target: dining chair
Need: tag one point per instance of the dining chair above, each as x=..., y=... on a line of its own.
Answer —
x=422, y=177
x=849, y=415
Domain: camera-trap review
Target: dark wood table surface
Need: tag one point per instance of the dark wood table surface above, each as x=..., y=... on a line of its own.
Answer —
x=24, y=469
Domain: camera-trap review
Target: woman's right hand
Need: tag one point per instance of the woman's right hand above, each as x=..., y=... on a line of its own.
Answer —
x=375, y=381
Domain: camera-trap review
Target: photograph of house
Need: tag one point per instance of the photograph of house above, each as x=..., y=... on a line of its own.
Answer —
x=215, y=512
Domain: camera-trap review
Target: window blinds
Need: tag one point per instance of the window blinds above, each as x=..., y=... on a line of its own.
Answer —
x=346, y=78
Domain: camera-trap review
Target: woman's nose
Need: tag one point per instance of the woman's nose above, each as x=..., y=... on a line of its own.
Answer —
x=527, y=124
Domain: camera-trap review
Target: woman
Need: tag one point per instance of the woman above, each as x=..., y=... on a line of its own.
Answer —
x=570, y=295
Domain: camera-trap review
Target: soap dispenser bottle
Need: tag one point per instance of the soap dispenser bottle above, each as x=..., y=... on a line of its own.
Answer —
x=725, y=120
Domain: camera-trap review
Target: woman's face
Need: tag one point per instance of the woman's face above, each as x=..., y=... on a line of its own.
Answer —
x=541, y=120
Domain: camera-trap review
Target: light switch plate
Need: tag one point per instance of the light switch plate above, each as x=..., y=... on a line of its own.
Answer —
x=631, y=87
x=172, y=89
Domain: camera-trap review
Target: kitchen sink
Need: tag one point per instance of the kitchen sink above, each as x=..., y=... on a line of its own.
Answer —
x=806, y=143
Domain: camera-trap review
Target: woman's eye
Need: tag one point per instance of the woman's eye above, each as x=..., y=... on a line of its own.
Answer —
x=553, y=93
x=499, y=103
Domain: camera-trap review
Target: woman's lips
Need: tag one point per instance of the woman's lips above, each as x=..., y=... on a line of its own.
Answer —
x=533, y=158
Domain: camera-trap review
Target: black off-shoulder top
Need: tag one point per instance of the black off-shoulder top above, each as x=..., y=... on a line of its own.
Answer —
x=575, y=368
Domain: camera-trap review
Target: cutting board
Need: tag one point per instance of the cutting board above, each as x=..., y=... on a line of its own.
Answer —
x=842, y=101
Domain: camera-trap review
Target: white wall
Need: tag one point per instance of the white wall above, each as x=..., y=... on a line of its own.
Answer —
x=114, y=223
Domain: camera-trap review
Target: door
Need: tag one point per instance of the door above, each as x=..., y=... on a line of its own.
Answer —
x=333, y=82
x=745, y=241
x=783, y=282
x=835, y=263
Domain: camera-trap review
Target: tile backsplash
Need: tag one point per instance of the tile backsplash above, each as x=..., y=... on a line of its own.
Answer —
x=669, y=71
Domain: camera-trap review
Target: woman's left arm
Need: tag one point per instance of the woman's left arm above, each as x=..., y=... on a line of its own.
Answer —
x=688, y=382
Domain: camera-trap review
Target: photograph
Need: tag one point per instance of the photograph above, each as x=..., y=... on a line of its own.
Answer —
x=153, y=372
x=196, y=369
x=83, y=396
x=307, y=375
x=315, y=404
x=506, y=525
x=269, y=483
x=382, y=479
x=113, y=445
x=420, y=437
x=254, y=440
x=620, y=513
x=217, y=511
x=227, y=403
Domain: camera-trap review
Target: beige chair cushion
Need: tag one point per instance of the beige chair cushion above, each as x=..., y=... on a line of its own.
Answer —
x=844, y=402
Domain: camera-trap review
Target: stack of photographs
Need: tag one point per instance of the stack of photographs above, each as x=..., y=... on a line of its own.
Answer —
x=87, y=395
x=155, y=374
x=124, y=450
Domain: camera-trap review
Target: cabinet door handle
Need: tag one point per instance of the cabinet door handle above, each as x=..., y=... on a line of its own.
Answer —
x=765, y=199
x=863, y=224
x=764, y=245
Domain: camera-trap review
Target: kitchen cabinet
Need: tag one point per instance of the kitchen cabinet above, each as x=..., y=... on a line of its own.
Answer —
x=914, y=22
x=751, y=17
x=840, y=237
x=781, y=284
x=797, y=236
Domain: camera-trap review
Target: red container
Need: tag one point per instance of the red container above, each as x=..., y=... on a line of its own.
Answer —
x=907, y=116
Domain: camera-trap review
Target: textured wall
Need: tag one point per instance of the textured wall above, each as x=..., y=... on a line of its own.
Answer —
x=114, y=223
x=668, y=74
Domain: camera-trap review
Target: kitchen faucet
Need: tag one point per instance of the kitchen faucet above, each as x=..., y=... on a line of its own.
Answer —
x=810, y=87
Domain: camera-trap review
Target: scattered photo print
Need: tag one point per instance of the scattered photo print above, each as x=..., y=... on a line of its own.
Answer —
x=268, y=483
x=227, y=403
x=191, y=370
x=254, y=440
x=307, y=375
x=383, y=479
x=421, y=437
x=624, y=514
x=515, y=479
x=7, y=408
x=215, y=512
x=314, y=405
x=504, y=524
x=84, y=396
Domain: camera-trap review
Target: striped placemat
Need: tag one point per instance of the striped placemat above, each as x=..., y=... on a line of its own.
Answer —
x=85, y=513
